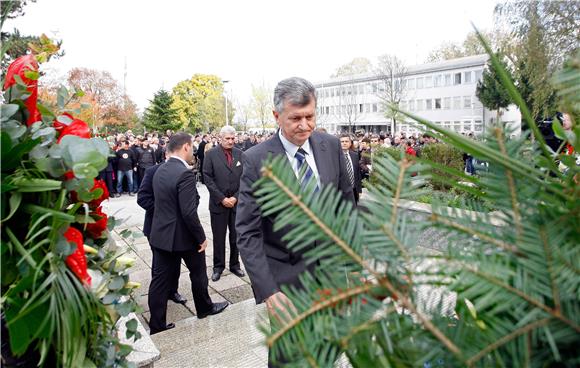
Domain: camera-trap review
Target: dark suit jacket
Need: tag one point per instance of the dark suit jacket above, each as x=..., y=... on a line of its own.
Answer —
x=221, y=180
x=266, y=257
x=354, y=157
x=201, y=150
x=146, y=198
x=176, y=226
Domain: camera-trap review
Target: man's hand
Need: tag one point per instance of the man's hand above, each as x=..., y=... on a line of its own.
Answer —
x=233, y=200
x=202, y=246
x=226, y=203
x=279, y=306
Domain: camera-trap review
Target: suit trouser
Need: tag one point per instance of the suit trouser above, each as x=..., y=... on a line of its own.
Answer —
x=220, y=223
x=166, y=269
x=175, y=286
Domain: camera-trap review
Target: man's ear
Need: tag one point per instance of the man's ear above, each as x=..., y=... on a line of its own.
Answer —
x=276, y=115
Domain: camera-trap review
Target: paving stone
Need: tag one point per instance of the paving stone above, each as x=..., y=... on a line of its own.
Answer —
x=227, y=282
x=175, y=313
x=144, y=277
x=238, y=294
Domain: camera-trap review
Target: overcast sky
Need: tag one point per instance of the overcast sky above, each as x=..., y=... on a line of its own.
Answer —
x=246, y=41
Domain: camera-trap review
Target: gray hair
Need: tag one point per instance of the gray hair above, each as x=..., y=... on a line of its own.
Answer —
x=228, y=129
x=296, y=91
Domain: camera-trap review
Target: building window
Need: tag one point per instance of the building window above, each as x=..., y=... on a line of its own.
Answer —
x=467, y=77
x=467, y=126
x=327, y=111
x=478, y=74
x=457, y=126
x=478, y=126
x=447, y=80
x=428, y=82
x=419, y=83
x=420, y=106
x=361, y=108
x=437, y=104
x=367, y=107
x=411, y=83
x=456, y=103
x=446, y=124
x=375, y=107
x=457, y=79
x=429, y=104
x=467, y=102
x=411, y=105
x=403, y=105
x=438, y=81
x=361, y=89
x=331, y=110
x=447, y=103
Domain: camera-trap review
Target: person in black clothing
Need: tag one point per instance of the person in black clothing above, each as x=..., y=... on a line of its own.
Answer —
x=160, y=152
x=107, y=174
x=146, y=199
x=201, y=153
x=146, y=159
x=177, y=234
x=126, y=163
x=136, y=147
x=352, y=161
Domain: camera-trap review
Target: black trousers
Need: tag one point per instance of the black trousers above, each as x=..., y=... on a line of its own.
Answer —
x=165, y=272
x=220, y=223
x=172, y=289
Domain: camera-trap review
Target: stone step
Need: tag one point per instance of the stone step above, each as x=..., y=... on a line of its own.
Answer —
x=228, y=339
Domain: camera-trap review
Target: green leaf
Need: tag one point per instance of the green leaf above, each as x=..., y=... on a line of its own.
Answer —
x=84, y=170
x=61, y=96
x=14, y=129
x=6, y=143
x=64, y=119
x=124, y=308
x=14, y=202
x=559, y=130
x=8, y=110
x=28, y=185
x=31, y=74
x=117, y=283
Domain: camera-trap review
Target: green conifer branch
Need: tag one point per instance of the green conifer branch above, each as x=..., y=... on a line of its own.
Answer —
x=404, y=165
x=511, y=185
x=498, y=243
x=406, y=302
x=554, y=313
x=507, y=338
x=555, y=291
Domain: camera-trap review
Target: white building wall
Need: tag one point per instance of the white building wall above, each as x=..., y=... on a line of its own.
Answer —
x=442, y=92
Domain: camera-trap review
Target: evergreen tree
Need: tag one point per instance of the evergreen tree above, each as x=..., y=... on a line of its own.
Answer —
x=490, y=91
x=160, y=115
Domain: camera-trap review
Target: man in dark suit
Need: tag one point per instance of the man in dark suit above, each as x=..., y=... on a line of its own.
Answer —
x=200, y=154
x=221, y=171
x=146, y=199
x=267, y=259
x=177, y=234
x=352, y=165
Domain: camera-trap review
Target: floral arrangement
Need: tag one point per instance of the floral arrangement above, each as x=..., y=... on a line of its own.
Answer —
x=64, y=284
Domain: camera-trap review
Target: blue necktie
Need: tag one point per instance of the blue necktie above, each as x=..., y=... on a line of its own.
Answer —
x=304, y=167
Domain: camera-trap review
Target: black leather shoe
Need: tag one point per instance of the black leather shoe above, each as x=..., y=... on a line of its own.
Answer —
x=216, y=276
x=215, y=309
x=238, y=272
x=177, y=298
x=168, y=326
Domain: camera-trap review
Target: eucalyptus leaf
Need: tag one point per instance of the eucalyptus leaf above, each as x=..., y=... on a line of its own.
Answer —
x=64, y=248
x=39, y=152
x=117, y=283
x=64, y=119
x=84, y=219
x=44, y=132
x=55, y=151
x=84, y=170
x=7, y=111
x=110, y=298
x=62, y=96
x=14, y=129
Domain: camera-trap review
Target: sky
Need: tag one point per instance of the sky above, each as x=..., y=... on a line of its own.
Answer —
x=247, y=42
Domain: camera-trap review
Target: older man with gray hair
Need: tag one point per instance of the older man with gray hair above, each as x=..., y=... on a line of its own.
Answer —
x=222, y=169
x=268, y=261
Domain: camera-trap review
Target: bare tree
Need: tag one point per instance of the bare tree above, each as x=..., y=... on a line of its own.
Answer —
x=350, y=93
x=244, y=113
x=391, y=71
x=261, y=104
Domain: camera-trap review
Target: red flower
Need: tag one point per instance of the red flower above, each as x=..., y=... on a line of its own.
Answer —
x=77, y=261
x=98, y=184
x=95, y=230
x=19, y=67
x=77, y=127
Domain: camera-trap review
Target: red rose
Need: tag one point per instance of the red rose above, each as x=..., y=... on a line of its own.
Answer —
x=19, y=67
x=77, y=261
x=77, y=127
x=95, y=230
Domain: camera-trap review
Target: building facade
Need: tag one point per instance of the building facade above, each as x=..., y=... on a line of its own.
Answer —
x=441, y=92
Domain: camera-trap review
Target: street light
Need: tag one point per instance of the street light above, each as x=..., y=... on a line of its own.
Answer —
x=226, y=96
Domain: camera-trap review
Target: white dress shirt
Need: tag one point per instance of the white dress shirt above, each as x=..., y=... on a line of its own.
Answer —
x=291, y=150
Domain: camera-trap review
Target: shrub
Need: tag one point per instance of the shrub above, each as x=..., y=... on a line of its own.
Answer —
x=446, y=155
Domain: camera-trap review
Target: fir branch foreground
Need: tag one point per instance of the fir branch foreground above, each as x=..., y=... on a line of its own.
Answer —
x=503, y=292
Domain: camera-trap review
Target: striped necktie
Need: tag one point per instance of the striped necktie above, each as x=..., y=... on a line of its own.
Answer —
x=303, y=167
x=349, y=169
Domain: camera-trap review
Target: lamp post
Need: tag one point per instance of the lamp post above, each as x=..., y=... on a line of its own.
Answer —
x=226, y=96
